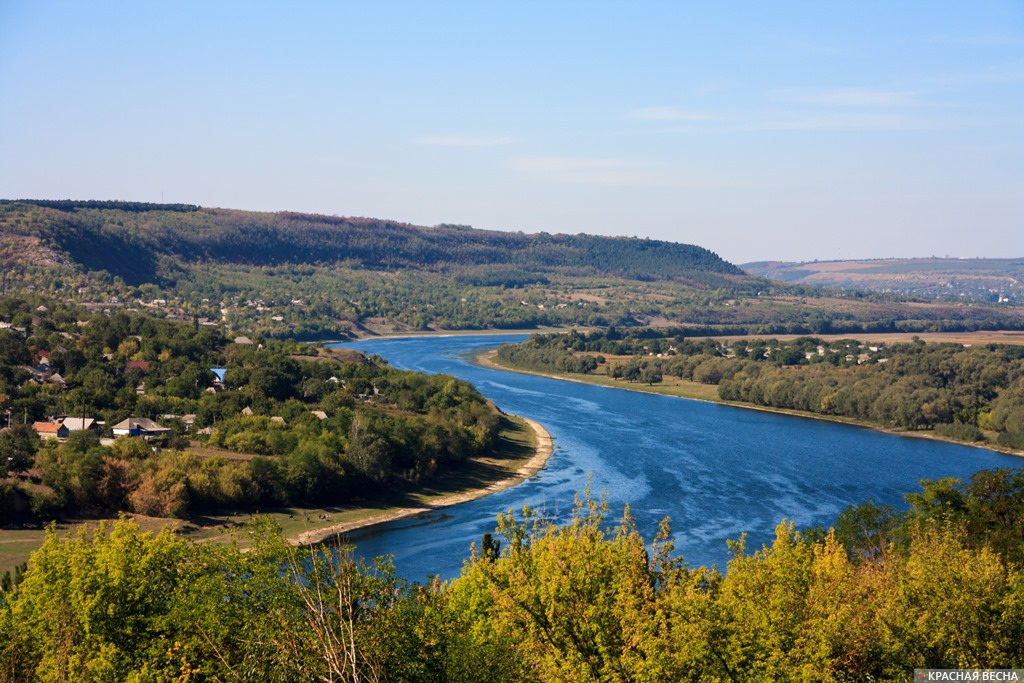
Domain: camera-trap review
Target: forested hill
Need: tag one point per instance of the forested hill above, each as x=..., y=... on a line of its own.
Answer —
x=134, y=241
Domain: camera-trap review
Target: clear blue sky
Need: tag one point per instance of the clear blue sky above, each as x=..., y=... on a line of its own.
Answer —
x=761, y=130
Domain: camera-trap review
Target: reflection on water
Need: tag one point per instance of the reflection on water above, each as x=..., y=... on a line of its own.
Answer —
x=716, y=471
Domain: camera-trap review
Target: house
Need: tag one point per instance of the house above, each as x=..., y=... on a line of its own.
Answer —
x=80, y=424
x=319, y=414
x=243, y=341
x=12, y=328
x=50, y=430
x=139, y=364
x=44, y=363
x=139, y=426
x=218, y=379
x=187, y=421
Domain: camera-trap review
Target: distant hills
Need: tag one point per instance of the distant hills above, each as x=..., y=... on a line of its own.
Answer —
x=952, y=279
x=305, y=276
x=130, y=240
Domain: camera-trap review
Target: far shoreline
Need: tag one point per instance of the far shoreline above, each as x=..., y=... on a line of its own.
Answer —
x=417, y=334
x=487, y=359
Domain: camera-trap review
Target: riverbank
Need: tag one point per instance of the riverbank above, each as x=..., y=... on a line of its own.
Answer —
x=709, y=394
x=542, y=450
x=367, y=334
x=524, y=449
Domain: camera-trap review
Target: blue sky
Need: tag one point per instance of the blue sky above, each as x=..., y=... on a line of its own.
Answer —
x=760, y=130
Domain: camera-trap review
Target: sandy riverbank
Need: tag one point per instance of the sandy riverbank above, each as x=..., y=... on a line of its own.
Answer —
x=542, y=451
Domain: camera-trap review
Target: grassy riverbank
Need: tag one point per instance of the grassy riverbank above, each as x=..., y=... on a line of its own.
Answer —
x=681, y=388
x=524, y=447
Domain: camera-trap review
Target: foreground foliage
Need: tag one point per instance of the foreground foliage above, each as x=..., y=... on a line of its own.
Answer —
x=577, y=602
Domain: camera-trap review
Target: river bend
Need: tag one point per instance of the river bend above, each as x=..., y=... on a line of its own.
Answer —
x=717, y=471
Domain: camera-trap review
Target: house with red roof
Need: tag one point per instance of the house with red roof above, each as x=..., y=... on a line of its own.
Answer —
x=50, y=430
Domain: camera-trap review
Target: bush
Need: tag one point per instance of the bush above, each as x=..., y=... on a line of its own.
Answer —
x=1011, y=440
x=960, y=432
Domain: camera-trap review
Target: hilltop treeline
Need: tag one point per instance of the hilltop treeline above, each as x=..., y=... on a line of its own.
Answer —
x=217, y=235
x=76, y=204
x=939, y=586
x=315, y=429
x=973, y=393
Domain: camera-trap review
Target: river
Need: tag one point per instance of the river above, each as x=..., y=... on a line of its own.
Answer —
x=716, y=471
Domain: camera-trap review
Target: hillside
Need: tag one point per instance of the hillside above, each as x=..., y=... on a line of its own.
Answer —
x=950, y=279
x=134, y=242
x=291, y=275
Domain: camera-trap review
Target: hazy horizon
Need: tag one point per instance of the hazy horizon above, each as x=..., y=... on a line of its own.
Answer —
x=787, y=132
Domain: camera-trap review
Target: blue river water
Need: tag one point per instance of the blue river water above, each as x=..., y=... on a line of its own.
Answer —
x=716, y=471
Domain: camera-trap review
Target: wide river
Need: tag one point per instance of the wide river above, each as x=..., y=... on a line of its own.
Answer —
x=716, y=471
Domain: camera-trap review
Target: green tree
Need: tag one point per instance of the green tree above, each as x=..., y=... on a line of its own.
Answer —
x=18, y=446
x=577, y=601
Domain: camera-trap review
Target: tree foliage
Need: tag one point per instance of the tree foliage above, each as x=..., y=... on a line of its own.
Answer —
x=583, y=601
x=329, y=425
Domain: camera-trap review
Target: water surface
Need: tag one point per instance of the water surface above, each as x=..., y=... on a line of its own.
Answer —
x=717, y=471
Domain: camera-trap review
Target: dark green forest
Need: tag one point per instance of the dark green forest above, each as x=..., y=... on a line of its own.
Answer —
x=973, y=393
x=99, y=233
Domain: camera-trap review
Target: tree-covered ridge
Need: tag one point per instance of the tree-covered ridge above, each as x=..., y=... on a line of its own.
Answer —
x=297, y=276
x=313, y=427
x=973, y=393
x=78, y=204
x=193, y=234
x=939, y=586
